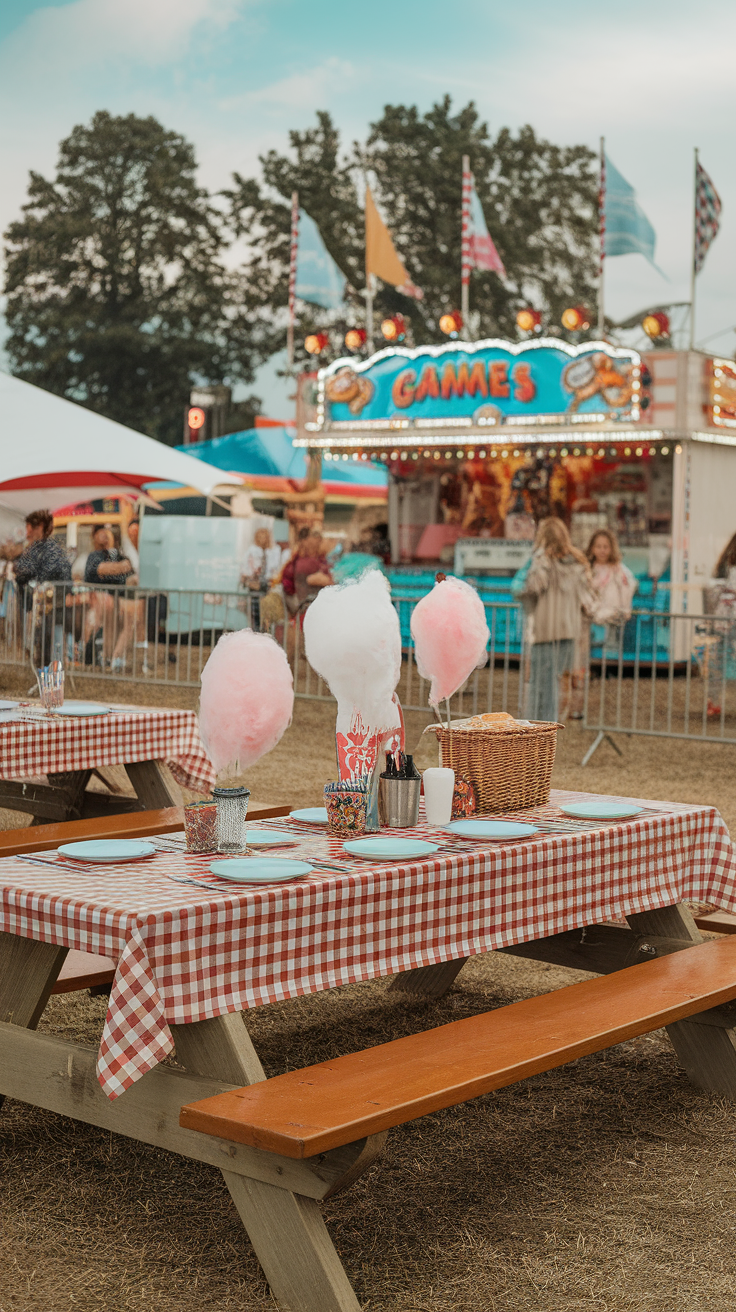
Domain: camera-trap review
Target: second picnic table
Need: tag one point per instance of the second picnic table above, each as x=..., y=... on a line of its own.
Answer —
x=67, y=749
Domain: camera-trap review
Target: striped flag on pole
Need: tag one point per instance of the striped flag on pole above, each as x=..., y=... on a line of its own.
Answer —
x=707, y=215
x=478, y=248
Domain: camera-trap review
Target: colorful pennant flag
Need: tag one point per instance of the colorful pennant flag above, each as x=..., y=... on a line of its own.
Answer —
x=318, y=279
x=626, y=228
x=707, y=215
x=478, y=248
x=381, y=258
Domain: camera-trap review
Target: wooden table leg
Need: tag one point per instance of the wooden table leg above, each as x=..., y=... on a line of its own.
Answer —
x=286, y=1229
x=150, y=784
x=429, y=981
x=58, y=800
x=28, y=972
x=707, y=1051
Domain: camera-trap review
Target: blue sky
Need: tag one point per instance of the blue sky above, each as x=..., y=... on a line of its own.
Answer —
x=235, y=75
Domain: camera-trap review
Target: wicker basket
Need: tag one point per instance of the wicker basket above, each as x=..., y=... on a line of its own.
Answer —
x=509, y=769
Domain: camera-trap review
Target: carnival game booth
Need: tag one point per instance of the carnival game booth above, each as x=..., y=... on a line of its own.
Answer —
x=482, y=440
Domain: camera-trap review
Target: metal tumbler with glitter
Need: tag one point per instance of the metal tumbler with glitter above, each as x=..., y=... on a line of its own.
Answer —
x=232, y=808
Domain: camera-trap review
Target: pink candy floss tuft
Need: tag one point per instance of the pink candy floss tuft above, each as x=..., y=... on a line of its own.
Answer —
x=450, y=636
x=247, y=700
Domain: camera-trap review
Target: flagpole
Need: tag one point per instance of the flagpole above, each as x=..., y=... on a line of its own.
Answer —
x=292, y=279
x=370, y=291
x=602, y=241
x=465, y=247
x=692, y=262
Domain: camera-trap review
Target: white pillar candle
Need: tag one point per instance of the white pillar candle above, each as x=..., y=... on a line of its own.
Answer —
x=439, y=786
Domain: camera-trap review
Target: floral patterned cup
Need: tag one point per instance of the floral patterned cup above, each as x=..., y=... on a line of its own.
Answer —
x=200, y=826
x=346, y=806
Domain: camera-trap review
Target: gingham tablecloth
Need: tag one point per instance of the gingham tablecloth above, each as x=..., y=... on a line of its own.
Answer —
x=187, y=952
x=54, y=744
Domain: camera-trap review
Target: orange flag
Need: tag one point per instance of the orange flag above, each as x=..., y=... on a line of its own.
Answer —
x=380, y=256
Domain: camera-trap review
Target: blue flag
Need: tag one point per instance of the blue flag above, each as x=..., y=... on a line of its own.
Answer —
x=318, y=278
x=628, y=230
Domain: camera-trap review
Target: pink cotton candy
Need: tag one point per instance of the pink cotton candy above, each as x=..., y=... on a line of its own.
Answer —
x=450, y=636
x=247, y=700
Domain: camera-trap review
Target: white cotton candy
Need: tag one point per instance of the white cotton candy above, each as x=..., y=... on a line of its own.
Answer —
x=353, y=640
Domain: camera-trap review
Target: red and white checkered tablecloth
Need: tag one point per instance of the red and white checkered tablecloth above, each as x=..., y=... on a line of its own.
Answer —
x=187, y=952
x=55, y=744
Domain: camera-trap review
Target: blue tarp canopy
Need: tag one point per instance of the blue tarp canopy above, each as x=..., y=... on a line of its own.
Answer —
x=268, y=453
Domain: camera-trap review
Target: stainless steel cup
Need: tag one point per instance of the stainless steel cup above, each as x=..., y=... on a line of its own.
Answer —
x=398, y=802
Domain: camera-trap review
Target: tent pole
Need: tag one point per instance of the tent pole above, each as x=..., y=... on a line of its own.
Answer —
x=692, y=261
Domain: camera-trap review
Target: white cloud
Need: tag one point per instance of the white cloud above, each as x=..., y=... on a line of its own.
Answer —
x=307, y=91
x=73, y=36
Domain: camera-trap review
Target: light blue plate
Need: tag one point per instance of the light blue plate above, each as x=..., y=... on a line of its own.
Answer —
x=493, y=830
x=387, y=849
x=311, y=815
x=260, y=869
x=108, y=849
x=270, y=838
x=601, y=810
x=82, y=708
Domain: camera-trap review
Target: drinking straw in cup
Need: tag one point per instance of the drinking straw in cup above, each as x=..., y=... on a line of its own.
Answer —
x=439, y=786
x=50, y=681
x=200, y=826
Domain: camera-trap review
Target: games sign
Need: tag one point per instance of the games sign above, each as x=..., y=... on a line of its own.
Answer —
x=482, y=383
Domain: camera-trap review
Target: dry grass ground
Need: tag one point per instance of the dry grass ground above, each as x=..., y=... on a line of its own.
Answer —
x=606, y=1187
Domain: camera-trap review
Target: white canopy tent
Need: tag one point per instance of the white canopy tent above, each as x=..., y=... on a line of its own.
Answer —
x=56, y=453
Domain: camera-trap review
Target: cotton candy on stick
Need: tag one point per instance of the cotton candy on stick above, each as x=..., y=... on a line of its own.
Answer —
x=247, y=700
x=353, y=640
x=450, y=637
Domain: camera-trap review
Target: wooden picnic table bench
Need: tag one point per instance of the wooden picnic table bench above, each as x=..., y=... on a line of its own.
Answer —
x=310, y=1111
x=287, y=1143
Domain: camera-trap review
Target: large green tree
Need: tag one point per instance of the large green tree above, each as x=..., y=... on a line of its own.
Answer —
x=118, y=296
x=539, y=199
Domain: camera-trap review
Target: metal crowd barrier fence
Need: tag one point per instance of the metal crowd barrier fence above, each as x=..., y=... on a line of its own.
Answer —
x=664, y=676
x=155, y=637
x=661, y=675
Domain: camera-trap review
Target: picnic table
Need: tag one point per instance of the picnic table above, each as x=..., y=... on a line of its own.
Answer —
x=193, y=952
x=67, y=751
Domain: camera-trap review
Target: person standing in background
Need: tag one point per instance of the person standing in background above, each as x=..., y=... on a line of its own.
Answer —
x=41, y=560
x=613, y=586
x=105, y=564
x=261, y=566
x=306, y=572
x=132, y=609
x=719, y=644
x=556, y=590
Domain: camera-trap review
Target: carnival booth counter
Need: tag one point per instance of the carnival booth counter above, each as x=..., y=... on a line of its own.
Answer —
x=484, y=439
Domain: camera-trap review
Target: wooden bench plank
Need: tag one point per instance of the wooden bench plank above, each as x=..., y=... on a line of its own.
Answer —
x=84, y=970
x=717, y=922
x=136, y=824
x=309, y=1111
